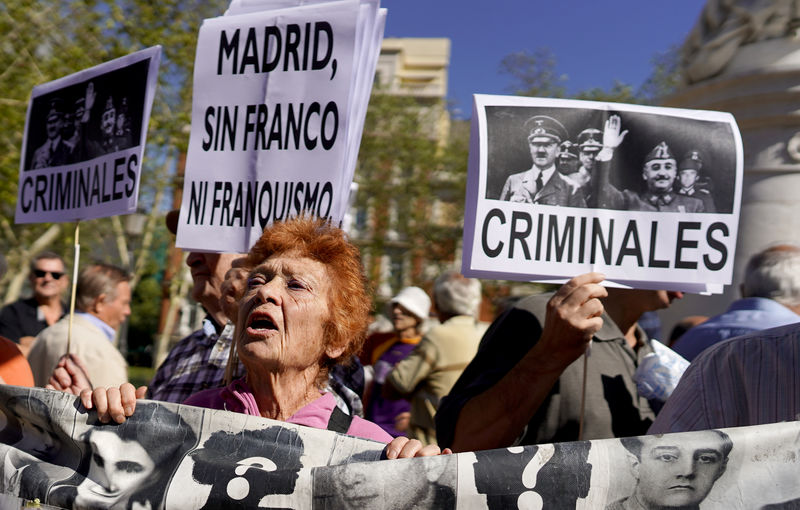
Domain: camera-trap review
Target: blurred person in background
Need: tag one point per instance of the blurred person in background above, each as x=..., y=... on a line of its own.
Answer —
x=435, y=364
x=408, y=311
x=25, y=318
x=770, y=298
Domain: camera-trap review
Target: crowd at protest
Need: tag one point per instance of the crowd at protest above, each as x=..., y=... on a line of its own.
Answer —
x=288, y=335
x=285, y=337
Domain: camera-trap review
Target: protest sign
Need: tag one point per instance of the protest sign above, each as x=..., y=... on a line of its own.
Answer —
x=648, y=196
x=84, y=141
x=173, y=456
x=279, y=102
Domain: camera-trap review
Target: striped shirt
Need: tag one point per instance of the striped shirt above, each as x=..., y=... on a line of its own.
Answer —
x=195, y=363
x=748, y=380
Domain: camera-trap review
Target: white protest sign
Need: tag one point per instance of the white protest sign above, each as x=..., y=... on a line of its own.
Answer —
x=648, y=196
x=84, y=141
x=273, y=121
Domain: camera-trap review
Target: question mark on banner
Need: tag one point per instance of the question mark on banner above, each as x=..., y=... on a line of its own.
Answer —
x=238, y=488
x=530, y=500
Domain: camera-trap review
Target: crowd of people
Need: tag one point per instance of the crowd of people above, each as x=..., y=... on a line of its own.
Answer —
x=286, y=337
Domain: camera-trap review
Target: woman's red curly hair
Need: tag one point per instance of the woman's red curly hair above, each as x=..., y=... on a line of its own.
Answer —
x=349, y=301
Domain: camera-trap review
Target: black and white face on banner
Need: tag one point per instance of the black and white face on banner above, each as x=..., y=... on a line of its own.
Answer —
x=84, y=141
x=648, y=196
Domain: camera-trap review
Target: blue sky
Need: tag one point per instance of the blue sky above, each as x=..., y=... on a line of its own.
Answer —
x=594, y=41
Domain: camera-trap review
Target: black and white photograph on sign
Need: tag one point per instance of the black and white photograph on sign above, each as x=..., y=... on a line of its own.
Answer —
x=87, y=120
x=84, y=140
x=623, y=160
x=428, y=482
x=648, y=196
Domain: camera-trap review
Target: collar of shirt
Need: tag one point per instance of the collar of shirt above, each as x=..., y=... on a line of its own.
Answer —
x=760, y=303
x=105, y=328
x=546, y=173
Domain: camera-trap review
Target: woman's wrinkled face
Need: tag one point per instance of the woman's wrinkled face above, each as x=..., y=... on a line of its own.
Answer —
x=283, y=313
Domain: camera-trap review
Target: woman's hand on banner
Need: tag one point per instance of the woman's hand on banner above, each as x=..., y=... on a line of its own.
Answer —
x=113, y=403
x=405, y=448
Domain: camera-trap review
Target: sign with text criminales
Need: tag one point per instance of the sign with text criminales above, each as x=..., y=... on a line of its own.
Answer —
x=648, y=196
x=269, y=134
x=84, y=141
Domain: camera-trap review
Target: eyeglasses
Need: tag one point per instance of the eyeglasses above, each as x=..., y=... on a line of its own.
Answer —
x=40, y=274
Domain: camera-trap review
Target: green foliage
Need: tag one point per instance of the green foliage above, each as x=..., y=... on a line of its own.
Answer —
x=47, y=39
x=534, y=74
x=666, y=76
x=406, y=168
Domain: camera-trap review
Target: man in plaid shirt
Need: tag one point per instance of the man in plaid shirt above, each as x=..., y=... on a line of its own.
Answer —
x=198, y=361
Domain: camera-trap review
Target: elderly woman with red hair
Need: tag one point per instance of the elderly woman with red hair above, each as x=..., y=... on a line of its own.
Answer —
x=304, y=308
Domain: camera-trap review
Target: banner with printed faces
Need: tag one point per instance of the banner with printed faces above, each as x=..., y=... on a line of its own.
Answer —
x=648, y=196
x=182, y=457
x=280, y=95
x=84, y=141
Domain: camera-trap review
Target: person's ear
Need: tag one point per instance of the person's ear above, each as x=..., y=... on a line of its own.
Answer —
x=721, y=469
x=99, y=303
x=334, y=351
x=633, y=464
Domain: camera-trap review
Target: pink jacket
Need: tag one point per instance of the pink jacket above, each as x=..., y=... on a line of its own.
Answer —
x=238, y=397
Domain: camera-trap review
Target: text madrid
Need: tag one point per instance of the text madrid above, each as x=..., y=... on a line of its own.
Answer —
x=243, y=204
x=561, y=238
x=80, y=187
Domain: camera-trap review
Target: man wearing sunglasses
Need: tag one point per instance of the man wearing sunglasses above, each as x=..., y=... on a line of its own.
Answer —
x=22, y=320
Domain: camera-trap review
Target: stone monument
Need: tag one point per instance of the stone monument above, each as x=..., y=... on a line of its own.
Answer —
x=743, y=57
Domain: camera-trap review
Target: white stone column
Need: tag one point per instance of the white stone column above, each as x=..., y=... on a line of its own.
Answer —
x=760, y=86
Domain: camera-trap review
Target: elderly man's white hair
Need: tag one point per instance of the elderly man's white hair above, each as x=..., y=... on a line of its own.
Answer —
x=455, y=294
x=775, y=274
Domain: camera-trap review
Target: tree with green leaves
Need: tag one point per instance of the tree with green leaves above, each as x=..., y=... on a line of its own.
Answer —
x=411, y=180
x=47, y=39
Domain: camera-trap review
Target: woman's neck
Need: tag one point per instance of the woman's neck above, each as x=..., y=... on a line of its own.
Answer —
x=408, y=333
x=280, y=395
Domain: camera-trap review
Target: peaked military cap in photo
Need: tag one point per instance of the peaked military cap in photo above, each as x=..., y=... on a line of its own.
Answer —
x=590, y=139
x=56, y=108
x=568, y=149
x=109, y=104
x=660, y=151
x=691, y=161
x=542, y=126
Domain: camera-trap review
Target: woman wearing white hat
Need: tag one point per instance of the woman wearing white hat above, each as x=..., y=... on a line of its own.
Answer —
x=407, y=310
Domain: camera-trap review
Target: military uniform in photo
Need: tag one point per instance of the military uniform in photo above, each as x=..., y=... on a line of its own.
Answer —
x=659, y=175
x=542, y=183
x=54, y=151
x=689, y=180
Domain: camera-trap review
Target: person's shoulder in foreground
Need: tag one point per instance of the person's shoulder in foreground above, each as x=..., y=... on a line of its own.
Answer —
x=747, y=380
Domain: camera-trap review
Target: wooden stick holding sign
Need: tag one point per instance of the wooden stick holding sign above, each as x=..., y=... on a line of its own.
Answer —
x=583, y=391
x=74, y=283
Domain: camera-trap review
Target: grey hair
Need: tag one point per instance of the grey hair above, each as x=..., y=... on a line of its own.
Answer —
x=455, y=294
x=774, y=273
x=96, y=280
x=45, y=255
